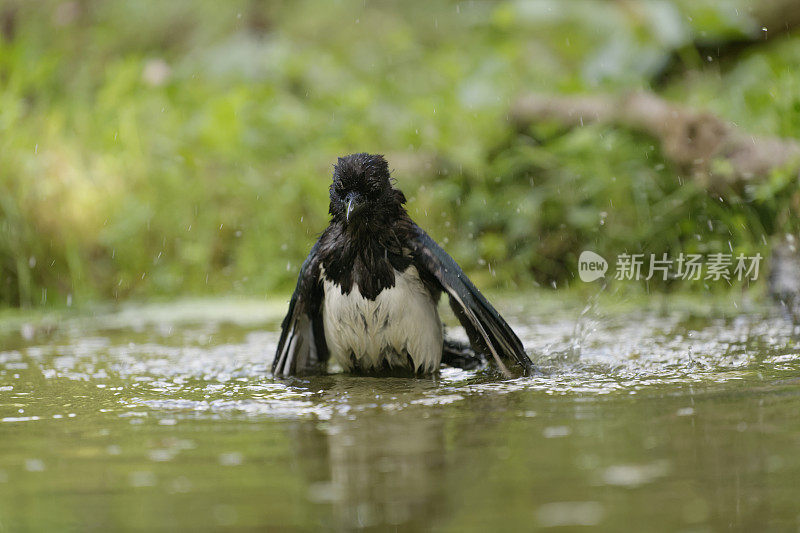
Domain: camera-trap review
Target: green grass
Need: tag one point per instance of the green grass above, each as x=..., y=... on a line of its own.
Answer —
x=184, y=148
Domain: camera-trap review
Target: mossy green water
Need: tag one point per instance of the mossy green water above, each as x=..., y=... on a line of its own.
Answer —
x=165, y=417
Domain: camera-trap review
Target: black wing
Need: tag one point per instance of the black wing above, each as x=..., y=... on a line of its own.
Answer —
x=302, y=343
x=488, y=332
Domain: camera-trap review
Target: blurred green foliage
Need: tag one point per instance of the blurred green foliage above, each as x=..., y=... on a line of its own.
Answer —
x=162, y=148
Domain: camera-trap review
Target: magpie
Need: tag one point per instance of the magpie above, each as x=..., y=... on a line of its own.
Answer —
x=367, y=294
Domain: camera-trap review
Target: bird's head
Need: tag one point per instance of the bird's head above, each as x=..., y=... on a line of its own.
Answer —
x=362, y=189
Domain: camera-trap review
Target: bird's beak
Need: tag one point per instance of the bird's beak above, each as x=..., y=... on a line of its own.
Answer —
x=353, y=205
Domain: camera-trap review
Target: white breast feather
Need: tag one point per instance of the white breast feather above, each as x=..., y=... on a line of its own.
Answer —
x=401, y=320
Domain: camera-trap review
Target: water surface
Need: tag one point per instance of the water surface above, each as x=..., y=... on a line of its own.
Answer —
x=166, y=417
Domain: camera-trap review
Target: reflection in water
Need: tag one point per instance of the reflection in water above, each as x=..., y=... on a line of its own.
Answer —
x=376, y=467
x=387, y=461
x=381, y=471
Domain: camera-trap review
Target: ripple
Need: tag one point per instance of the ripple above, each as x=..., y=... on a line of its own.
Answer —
x=131, y=368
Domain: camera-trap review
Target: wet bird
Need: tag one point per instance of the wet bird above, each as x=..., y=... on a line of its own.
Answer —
x=367, y=294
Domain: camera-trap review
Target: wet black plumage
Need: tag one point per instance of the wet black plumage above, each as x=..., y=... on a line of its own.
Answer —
x=369, y=241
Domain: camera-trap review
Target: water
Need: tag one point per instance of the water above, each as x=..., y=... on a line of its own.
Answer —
x=165, y=417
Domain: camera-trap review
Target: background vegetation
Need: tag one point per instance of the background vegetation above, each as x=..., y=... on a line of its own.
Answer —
x=164, y=148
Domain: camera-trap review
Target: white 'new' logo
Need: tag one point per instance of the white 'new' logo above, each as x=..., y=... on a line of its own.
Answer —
x=591, y=266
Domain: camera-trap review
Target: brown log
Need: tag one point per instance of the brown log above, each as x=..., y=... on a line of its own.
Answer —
x=709, y=148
